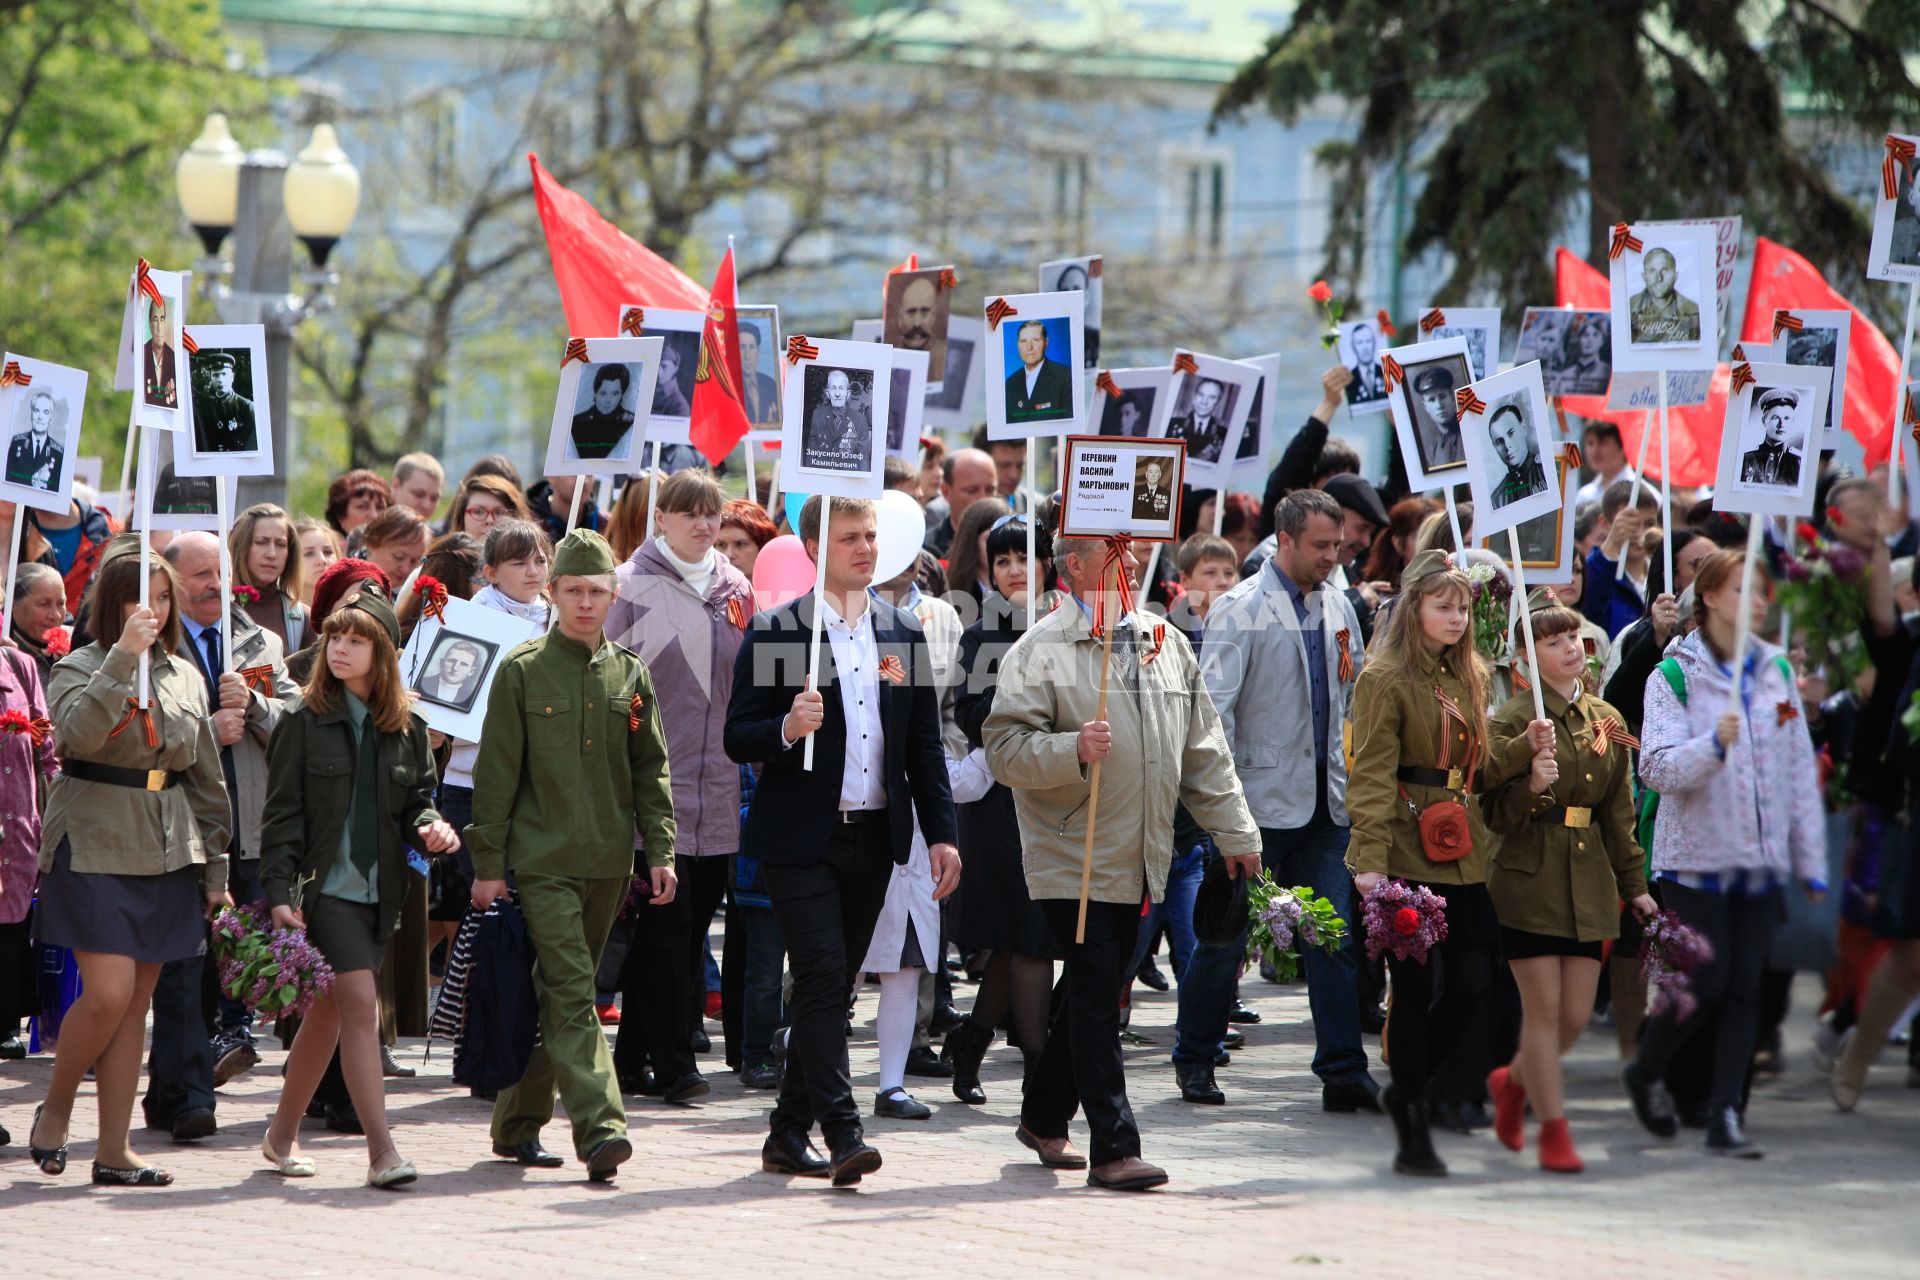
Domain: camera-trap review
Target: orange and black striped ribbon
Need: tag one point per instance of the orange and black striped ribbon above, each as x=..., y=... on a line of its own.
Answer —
x=948, y=280
x=630, y=323
x=1432, y=320
x=1520, y=682
x=1899, y=156
x=1344, y=638
x=1739, y=352
x=1391, y=370
x=145, y=716
x=1159, y=643
x=1607, y=731
x=798, y=349
x=1104, y=382
x=1623, y=240
x=143, y=282
x=1913, y=410
x=259, y=678
x=1742, y=376
x=1787, y=320
x=14, y=376
x=892, y=669
x=1574, y=460
x=1184, y=362
x=576, y=350
x=737, y=612
x=1786, y=711
x=1115, y=566
x=187, y=342
x=634, y=708
x=39, y=729
x=1386, y=324
x=1467, y=402
x=1450, y=709
x=998, y=310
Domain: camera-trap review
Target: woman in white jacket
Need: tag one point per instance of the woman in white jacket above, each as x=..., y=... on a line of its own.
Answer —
x=1739, y=817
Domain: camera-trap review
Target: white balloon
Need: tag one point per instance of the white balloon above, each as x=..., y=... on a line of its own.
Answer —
x=902, y=528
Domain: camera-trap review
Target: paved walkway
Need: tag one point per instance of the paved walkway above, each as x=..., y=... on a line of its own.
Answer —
x=1266, y=1185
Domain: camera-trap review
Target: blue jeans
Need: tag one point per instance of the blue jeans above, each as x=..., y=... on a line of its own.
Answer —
x=1175, y=909
x=1315, y=856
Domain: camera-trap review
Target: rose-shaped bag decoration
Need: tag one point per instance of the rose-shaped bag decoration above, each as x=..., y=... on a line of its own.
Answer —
x=1445, y=835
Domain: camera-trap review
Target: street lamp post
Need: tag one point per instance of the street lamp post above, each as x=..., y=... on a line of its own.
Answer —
x=263, y=203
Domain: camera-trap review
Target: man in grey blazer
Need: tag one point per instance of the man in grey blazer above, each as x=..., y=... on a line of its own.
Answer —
x=1280, y=656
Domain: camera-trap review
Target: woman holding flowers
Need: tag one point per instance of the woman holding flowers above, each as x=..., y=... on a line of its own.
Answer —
x=350, y=777
x=1420, y=746
x=1566, y=858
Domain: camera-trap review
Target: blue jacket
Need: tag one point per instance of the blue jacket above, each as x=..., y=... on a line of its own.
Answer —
x=1611, y=602
x=502, y=1012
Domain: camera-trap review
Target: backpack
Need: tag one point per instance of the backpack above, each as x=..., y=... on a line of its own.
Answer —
x=1649, y=798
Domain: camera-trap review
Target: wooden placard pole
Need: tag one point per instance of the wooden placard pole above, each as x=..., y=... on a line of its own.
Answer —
x=1093, y=776
x=1786, y=615
x=819, y=599
x=1894, y=476
x=1742, y=624
x=1526, y=622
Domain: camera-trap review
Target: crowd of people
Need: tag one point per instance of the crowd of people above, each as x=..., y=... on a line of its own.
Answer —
x=1297, y=687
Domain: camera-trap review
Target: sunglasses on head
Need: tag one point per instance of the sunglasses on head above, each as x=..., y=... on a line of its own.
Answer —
x=1006, y=520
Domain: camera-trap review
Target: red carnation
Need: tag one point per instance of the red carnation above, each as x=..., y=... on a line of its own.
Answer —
x=1807, y=532
x=1321, y=291
x=1835, y=516
x=58, y=642
x=1406, y=922
x=433, y=596
x=15, y=722
x=243, y=592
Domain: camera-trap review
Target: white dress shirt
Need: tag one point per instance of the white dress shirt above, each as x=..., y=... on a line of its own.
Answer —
x=856, y=658
x=1033, y=376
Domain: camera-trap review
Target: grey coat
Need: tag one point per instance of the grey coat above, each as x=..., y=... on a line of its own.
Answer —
x=1254, y=663
x=255, y=646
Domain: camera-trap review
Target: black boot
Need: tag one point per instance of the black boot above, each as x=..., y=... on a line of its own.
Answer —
x=1416, y=1155
x=965, y=1048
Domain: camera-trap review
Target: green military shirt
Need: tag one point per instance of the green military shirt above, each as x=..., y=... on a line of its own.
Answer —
x=1555, y=879
x=562, y=780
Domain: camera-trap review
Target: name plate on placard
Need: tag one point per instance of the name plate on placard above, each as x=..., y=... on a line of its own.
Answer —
x=1122, y=486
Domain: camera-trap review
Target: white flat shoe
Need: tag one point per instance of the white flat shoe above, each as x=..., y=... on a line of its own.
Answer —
x=394, y=1175
x=288, y=1166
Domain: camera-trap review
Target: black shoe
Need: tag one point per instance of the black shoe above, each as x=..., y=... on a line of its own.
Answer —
x=1693, y=1115
x=702, y=1042
x=763, y=1076
x=342, y=1118
x=484, y=1095
x=1233, y=1040
x=1197, y=1085
x=688, y=1087
x=791, y=1153
x=1652, y=1104
x=1242, y=1015
x=1461, y=1117
x=191, y=1126
x=852, y=1162
x=390, y=1066
x=965, y=1049
x=1150, y=975
x=1415, y=1156
x=12, y=1047
x=1373, y=1020
x=531, y=1154
x=1349, y=1096
x=898, y=1104
x=52, y=1160
x=924, y=1062
x=605, y=1159
x=1222, y=1059
x=146, y=1176
x=642, y=1086
x=945, y=1019
x=233, y=1055
x=1727, y=1137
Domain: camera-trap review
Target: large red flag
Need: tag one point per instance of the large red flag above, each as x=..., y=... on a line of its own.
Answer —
x=1785, y=281
x=719, y=415
x=599, y=267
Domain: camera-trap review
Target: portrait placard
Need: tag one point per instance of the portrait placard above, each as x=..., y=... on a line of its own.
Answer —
x=1426, y=412
x=907, y=404
x=835, y=391
x=955, y=405
x=670, y=420
x=1139, y=406
x=760, y=370
x=1079, y=275
x=1121, y=485
x=151, y=363
x=451, y=665
x=1033, y=367
x=1822, y=339
x=1546, y=541
x=1210, y=408
x=1359, y=348
x=175, y=499
x=869, y=330
x=915, y=315
x=1256, y=438
x=1894, y=251
x=1574, y=348
x=1508, y=429
x=1769, y=442
x=1480, y=326
x=40, y=414
x=1726, y=258
x=232, y=428
x=598, y=420
x=1665, y=297
x=1685, y=387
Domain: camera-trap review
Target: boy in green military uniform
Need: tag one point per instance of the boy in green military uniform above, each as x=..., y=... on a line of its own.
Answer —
x=572, y=759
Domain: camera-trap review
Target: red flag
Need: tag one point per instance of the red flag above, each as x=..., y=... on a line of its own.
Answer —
x=1785, y=281
x=598, y=267
x=719, y=415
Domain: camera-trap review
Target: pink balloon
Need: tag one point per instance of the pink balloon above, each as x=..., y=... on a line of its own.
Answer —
x=782, y=572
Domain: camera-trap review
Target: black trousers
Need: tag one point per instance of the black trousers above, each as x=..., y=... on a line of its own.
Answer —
x=1433, y=1004
x=1081, y=1066
x=826, y=913
x=180, y=1064
x=1728, y=987
x=653, y=996
x=703, y=882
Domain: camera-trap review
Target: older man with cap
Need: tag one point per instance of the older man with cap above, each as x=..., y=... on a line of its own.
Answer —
x=1161, y=742
x=1440, y=443
x=1776, y=459
x=572, y=759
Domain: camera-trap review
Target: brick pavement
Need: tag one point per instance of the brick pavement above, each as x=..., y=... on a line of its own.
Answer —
x=1266, y=1185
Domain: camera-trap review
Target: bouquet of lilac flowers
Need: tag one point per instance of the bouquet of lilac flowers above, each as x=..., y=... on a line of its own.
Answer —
x=1403, y=920
x=1288, y=922
x=1673, y=951
x=273, y=972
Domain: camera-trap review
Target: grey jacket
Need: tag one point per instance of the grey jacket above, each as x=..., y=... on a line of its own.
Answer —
x=1254, y=662
x=255, y=646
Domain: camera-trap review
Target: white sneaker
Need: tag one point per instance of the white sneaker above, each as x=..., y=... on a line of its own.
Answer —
x=1826, y=1045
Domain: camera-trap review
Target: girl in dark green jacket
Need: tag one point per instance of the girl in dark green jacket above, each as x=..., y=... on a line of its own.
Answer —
x=349, y=783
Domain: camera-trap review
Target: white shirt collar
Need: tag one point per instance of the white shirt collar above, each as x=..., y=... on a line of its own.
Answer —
x=833, y=618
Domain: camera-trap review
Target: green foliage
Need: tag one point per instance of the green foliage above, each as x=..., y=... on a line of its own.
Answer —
x=97, y=100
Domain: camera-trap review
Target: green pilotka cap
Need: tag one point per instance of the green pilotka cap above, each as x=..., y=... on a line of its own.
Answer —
x=1425, y=565
x=582, y=553
x=369, y=599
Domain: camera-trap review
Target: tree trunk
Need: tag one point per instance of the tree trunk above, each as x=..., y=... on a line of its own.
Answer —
x=1613, y=153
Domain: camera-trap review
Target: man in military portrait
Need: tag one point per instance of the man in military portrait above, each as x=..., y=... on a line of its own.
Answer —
x=1203, y=426
x=223, y=419
x=1152, y=498
x=598, y=429
x=1660, y=313
x=35, y=454
x=1514, y=445
x=839, y=436
x=1775, y=461
x=1439, y=427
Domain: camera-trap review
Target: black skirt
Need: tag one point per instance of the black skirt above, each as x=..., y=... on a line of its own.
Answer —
x=151, y=919
x=1518, y=944
x=992, y=909
x=1471, y=919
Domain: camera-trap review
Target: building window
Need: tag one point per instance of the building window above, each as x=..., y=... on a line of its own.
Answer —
x=1204, y=216
x=1070, y=196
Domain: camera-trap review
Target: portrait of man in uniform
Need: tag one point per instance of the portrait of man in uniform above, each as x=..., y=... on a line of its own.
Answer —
x=1514, y=445
x=1039, y=389
x=1429, y=389
x=673, y=389
x=1152, y=496
x=839, y=437
x=156, y=360
x=1661, y=313
x=1203, y=424
x=1360, y=350
x=223, y=413
x=603, y=428
x=1779, y=437
x=37, y=452
x=916, y=318
x=455, y=673
x=1127, y=414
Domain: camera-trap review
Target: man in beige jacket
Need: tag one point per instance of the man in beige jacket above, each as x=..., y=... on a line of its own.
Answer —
x=1161, y=743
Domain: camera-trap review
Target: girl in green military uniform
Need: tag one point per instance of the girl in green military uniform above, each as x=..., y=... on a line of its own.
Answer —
x=350, y=782
x=1420, y=745
x=1565, y=859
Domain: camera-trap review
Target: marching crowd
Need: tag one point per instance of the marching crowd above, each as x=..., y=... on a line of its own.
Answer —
x=1305, y=692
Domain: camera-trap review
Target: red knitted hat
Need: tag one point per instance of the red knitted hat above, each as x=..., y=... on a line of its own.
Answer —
x=334, y=582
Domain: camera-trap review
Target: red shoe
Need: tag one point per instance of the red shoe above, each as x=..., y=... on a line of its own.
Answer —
x=713, y=1005
x=1509, y=1109
x=1556, y=1148
x=609, y=1014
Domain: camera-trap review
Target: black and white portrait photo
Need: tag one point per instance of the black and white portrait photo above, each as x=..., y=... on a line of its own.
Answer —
x=455, y=671
x=224, y=417
x=1201, y=412
x=838, y=434
x=1430, y=402
x=1128, y=414
x=1359, y=350
x=1152, y=494
x=604, y=412
x=1510, y=431
x=1773, y=442
x=1478, y=326
x=37, y=452
x=760, y=366
x=1663, y=292
x=897, y=411
x=1822, y=342
x=1081, y=275
x=1894, y=252
x=916, y=317
x=1574, y=348
x=1540, y=537
x=176, y=494
x=679, y=359
x=951, y=398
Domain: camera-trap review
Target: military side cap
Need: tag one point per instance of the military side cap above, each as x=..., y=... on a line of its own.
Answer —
x=1425, y=565
x=369, y=599
x=1542, y=598
x=1433, y=378
x=582, y=553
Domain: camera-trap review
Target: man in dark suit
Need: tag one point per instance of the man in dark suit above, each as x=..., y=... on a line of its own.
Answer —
x=1201, y=426
x=829, y=840
x=33, y=459
x=223, y=419
x=1040, y=390
x=761, y=392
x=454, y=683
x=157, y=360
